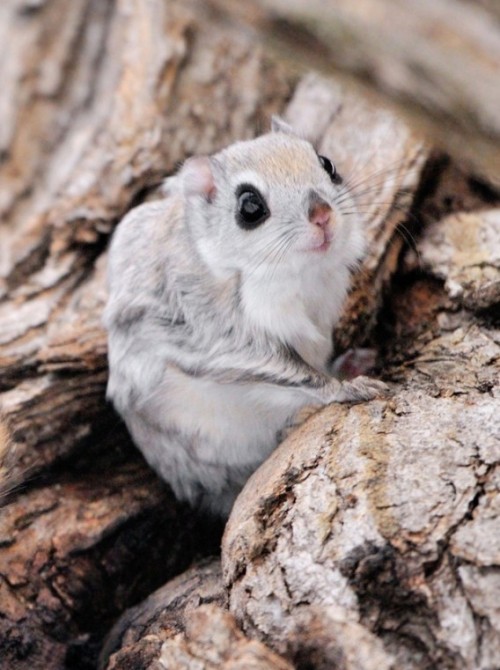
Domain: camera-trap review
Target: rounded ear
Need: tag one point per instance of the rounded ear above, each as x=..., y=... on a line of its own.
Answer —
x=280, y=126
x=197, y=177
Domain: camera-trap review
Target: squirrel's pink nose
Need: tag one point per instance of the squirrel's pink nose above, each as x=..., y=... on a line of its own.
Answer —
x=319, y=214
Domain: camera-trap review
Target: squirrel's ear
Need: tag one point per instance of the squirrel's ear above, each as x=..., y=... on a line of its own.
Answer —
x=280, y=126
x=197, y=177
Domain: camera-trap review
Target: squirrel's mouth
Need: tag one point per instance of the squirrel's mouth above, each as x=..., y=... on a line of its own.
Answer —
x=322, y=245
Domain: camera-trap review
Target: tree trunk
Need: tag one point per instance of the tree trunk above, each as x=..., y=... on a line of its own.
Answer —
x=370, y=537
x=438, y=63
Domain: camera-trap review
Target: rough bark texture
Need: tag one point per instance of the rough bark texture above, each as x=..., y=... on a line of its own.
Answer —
x=370, y=538
x=184, y=625
x=141, y=631
x=437, y=62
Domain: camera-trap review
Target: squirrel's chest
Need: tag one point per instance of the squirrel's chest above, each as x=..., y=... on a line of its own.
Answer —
x=299, y=310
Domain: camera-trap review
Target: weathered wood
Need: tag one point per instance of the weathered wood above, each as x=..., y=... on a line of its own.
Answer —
x=80, y=547
x=184, y=625
x=142, y=630
x=212, y=640
x=436, y=61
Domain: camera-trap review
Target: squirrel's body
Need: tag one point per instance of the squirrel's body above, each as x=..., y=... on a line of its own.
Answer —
x=220, y=328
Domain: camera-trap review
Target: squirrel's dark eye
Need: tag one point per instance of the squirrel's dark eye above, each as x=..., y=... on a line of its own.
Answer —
x=251, y=208
x=330, y=169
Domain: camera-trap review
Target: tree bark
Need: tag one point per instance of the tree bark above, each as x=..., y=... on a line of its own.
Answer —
x=437, y=63
x=369, y=539
x=184, y=624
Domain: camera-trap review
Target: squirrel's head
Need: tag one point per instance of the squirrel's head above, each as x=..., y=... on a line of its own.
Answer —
x=268, y=205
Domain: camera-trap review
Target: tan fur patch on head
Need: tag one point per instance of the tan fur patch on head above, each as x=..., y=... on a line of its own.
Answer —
x=284, y=163
x=276, y=157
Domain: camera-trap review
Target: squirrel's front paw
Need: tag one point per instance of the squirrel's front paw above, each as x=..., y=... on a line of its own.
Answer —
x=360, y=389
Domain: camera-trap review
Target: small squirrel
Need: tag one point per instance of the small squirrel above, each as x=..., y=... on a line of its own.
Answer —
x=222, y=301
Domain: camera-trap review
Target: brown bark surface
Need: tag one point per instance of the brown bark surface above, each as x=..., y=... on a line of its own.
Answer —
x=184, y=625
x=370, y=538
